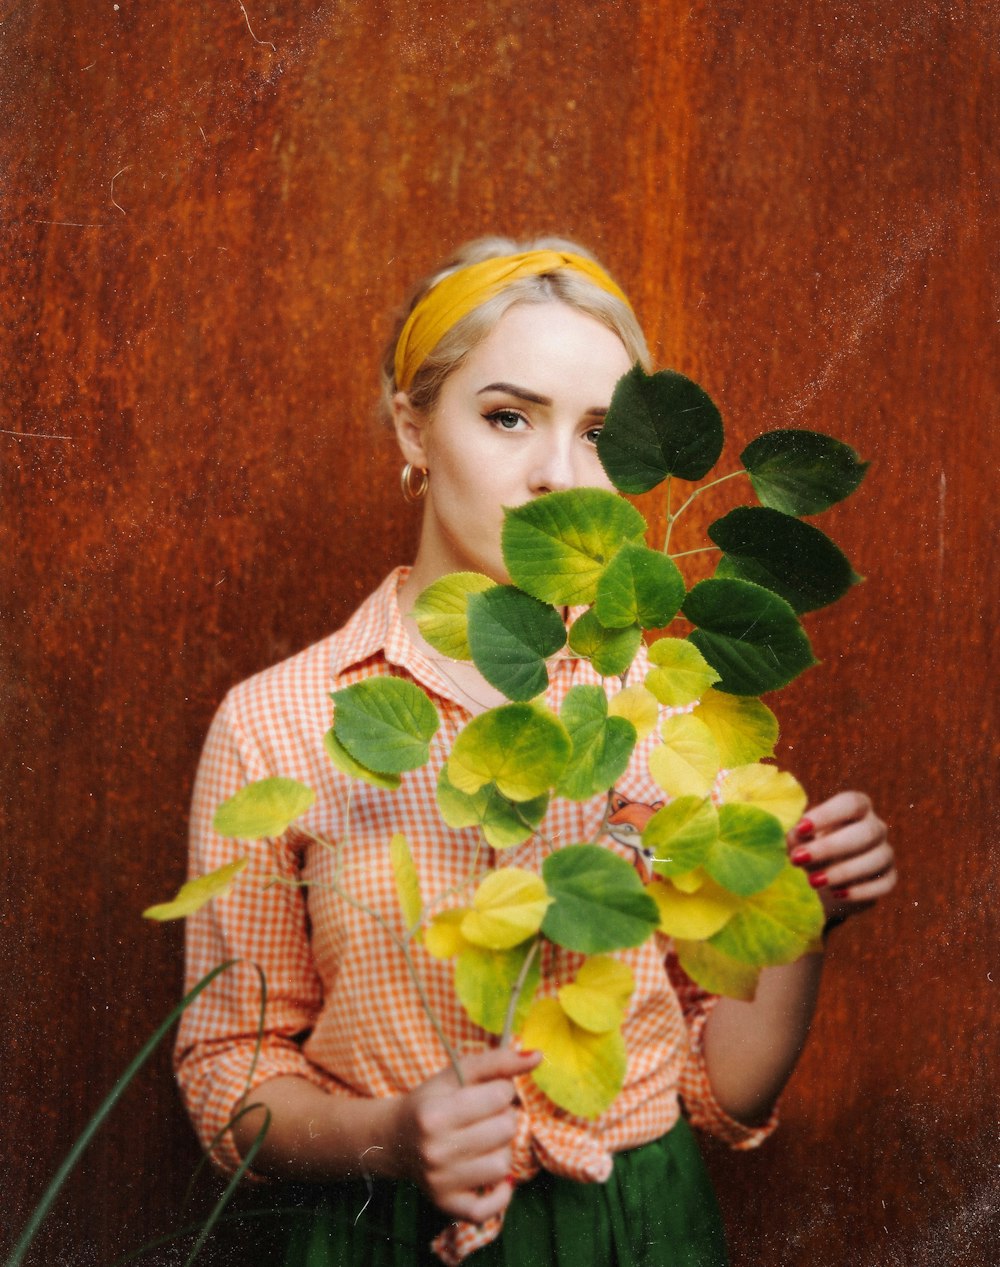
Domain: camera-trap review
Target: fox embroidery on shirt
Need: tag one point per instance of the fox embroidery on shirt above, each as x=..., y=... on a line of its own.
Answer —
x=626, y=823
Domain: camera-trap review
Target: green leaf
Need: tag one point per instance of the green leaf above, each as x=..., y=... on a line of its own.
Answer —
x=639, y=586
x=783, y=554
x=715, y=972
x=581, y=1072
x=556, y=547
x=658, y=425
x=485, y=980
x=680, y=675
x=610, y=651
x=599, y=902
x=749, y=850
x=802, y=472
x=441, y=612
x=521, y=748
x=743, y=728
x=681, y=834
x=503, y=822
x=346, y=764
x=385, y=723
x=750, y=635
x=193, y=895
x=511, y=635
x=602, y=745
x=776, y=925
x=407, y=881
x=265, y=808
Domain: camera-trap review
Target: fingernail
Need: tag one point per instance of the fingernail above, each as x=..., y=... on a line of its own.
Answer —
x=805, y=830
x=818, y=879
x=839, y=894
x=512, y=1180
x=529, y=1054
x=801, y=857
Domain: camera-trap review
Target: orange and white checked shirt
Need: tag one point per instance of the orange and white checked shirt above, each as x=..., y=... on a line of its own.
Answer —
x=341, y=1008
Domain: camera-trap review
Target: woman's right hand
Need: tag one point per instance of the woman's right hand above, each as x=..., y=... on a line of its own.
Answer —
x=454, y=1141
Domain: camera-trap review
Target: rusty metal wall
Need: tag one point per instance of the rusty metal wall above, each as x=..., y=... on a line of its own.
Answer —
x=209, y=212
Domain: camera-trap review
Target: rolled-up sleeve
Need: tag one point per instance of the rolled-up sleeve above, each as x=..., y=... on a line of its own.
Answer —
x=700, y=1105
x=229, y=1042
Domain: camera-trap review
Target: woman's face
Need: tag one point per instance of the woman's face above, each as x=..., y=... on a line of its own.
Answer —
x=519, y=418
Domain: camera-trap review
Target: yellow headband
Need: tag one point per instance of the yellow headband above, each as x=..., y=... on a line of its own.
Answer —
x=455, y=296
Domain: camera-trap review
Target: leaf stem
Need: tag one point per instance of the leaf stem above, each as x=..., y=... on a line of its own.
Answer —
x=605, y=817
x=672, y=518
x=515, y=994
x=402, y=944
x=700, y=550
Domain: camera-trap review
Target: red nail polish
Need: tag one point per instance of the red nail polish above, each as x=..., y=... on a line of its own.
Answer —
x=801, y=857
x=806, y=829
x=839, y=894
x=512, y=1180
x=818, y=879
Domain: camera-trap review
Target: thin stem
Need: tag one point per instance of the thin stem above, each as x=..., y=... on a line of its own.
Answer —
x=515, y=995
x=602, y=825
x=672, y=518
x=701, y=550
x=402, y=944
x=223, y=1201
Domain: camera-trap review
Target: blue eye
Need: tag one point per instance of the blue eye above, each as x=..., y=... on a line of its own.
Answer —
x=506, y=419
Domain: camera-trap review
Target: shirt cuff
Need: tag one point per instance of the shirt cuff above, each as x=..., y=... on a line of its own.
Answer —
x=700, y=1104
x=216, y=1097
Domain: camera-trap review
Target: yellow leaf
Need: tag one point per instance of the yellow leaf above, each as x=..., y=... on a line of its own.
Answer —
x=638, y=706
x=744, y=728
x=690, y=881
x=692, y=916
x=598, y=999
x=192, y=896
x=508, y=908
x=443, y=936
x=768, y=788
x=716, y=972
x=687, y=761
x=581, y=1072
x=407, y=881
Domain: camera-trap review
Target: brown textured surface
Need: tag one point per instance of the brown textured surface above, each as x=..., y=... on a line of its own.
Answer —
x=205, y=229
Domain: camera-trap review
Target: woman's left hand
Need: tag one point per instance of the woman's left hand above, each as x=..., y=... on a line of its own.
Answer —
x=843, y=847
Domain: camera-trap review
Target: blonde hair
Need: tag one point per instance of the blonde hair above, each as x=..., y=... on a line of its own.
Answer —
x=566, y=285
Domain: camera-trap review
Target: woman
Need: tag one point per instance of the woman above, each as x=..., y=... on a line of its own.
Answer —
x=496, y=384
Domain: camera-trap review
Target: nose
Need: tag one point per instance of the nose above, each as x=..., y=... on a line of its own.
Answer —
x=553, y=465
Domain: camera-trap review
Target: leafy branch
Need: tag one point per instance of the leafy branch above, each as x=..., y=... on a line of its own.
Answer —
x=710, y=868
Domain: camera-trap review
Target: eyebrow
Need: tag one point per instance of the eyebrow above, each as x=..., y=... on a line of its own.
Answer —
x=522, y=393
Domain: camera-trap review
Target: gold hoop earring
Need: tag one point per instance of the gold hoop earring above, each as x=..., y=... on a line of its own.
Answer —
x=412, y=492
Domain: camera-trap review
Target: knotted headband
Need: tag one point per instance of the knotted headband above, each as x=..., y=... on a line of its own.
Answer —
x=455, y=296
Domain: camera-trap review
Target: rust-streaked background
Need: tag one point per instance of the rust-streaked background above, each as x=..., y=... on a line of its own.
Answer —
x=209, y=213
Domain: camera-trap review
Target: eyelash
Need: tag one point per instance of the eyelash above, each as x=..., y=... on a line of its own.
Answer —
x=495, y=415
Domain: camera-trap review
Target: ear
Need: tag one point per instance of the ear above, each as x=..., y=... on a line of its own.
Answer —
x=411, y=426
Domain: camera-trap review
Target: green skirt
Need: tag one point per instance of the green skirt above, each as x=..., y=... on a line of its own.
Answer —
x=657, y=1209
